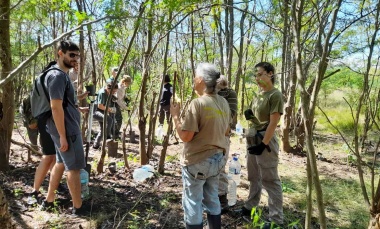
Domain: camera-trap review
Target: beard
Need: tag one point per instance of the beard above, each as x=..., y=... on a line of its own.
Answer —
x=69, y=63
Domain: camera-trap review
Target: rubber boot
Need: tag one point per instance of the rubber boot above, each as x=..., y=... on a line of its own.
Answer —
x=214, y=221
x=194, y=226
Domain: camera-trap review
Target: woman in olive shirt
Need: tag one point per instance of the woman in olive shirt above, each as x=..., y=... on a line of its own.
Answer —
x=263, y=146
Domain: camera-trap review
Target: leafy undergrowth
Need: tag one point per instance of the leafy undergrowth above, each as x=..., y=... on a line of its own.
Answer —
x=117, y=201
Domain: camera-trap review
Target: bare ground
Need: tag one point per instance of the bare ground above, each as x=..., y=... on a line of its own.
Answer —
x=119, y=202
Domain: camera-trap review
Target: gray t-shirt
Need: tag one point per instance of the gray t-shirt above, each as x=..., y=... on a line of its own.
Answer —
x=57, y=83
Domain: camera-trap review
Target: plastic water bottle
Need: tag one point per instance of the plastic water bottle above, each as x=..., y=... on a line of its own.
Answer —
x=231, y=195
x=141, y=174
x=239, y=128
x=234, y=169
x=85, y=192
x=159, y=132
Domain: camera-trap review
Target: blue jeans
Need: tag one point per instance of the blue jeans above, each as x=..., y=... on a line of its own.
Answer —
x=200, y=188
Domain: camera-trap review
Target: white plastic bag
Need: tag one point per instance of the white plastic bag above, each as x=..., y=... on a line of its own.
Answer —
x=141, y=174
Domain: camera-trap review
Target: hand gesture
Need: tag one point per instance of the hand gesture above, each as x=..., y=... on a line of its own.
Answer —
x=174, y=109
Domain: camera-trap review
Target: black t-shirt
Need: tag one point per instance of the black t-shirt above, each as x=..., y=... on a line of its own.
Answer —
x=167, y=93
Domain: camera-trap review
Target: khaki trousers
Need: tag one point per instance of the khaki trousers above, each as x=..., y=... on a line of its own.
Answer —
x=263, y=173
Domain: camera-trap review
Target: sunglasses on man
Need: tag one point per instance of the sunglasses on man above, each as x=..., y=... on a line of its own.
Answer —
x=73, y=55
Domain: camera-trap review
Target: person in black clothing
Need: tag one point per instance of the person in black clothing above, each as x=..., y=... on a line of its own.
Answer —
x=167, y=92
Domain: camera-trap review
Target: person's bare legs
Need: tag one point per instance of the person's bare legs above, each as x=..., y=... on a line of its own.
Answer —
x=55, y=178
x=73, y=181
x=47, y=162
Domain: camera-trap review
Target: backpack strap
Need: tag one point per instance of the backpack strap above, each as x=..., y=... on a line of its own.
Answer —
x=42, y=78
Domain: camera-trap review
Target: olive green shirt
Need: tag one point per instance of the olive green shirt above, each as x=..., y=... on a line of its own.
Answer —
x=265, y=104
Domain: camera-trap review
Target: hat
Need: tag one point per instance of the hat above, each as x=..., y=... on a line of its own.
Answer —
x=115, y=69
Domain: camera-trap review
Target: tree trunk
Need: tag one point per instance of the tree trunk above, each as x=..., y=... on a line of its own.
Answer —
x=192, y=45
x=142, y=118
x=5, y=218
x=7, y=94
x=309, y=197
x=230, y=38
x=220, y=41
x=288, y=113
x=240, y=57
x=165, y=141
x=374, y=222
x=297, y=12
x=288, y=84
x=152, y=124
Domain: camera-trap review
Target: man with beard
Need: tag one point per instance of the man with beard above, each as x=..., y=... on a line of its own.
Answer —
x=64, y=128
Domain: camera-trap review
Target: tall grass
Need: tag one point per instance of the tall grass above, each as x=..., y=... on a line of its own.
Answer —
x=338, y=112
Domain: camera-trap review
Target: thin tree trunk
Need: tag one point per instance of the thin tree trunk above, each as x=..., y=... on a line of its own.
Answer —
x=5, y=218
x=165, y=142
x=7, y=93
x=374, y=221
x=309, y=197
x=288, y=86
x=152, y=123
x=230, y=40
x=137, y=25
x=142, y=118
x=192, y=45
x=80, y=7
x=241, y=50
x=288, y=113
x=204, y=39
x=220, y=41
x=297, y=13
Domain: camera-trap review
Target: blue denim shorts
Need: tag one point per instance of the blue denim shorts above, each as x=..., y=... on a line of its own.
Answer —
x=200, y=188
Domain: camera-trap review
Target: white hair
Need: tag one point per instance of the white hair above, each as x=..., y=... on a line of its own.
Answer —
x=210, y=75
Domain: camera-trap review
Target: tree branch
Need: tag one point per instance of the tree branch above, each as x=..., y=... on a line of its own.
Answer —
x=26, y=146
x=19, y=68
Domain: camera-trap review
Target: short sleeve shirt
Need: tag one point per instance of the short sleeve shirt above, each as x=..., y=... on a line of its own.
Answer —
x=102, y=98
x=209, y=117
x=57, y=84
x=264, y=105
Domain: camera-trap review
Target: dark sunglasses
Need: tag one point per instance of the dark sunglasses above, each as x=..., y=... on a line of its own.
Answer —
x=73, y=55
